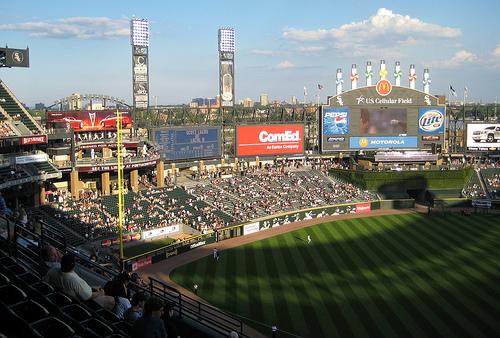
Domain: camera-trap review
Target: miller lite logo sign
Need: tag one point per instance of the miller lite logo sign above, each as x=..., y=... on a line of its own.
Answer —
x=383, y=87
x=430, y=120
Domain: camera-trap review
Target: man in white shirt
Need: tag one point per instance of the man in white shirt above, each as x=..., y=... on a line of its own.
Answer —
x=65, y=279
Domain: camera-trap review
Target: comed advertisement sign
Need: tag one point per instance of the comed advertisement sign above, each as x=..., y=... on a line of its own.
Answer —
x=270, y=139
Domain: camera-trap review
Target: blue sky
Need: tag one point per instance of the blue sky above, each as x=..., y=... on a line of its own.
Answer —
x=281, y=46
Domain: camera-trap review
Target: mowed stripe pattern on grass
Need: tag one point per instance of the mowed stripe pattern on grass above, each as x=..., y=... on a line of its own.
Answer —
x=391, y=276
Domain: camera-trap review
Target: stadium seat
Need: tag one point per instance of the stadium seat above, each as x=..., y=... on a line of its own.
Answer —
x=29, y=278
x=11, y=294
x=123, y=327
x=92, y=305
x=108, y=316
x=76, y=312
x=4, y=280
x=30, y=311
x=98, y=328
x=59, y=299
x=14, y=326
x=53, y=327
x=43, y=288
x=7, y=261
x=17, y=269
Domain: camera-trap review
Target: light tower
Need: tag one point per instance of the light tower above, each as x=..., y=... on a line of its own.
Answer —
x=226, y=66
x=139, y=39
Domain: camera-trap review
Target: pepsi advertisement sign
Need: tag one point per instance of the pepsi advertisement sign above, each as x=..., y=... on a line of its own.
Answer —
x=431, y=120
x=373, y=142
x=335, y=121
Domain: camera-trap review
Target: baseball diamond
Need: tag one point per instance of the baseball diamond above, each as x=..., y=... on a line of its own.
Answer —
x=390, y=276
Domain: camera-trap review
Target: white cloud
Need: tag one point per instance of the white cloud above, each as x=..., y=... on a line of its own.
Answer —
x=265, y=52
x=460, y=58
x=385, y=29
x=311, y=49
x=86, y=28
x=285, y=65
x=496, y=52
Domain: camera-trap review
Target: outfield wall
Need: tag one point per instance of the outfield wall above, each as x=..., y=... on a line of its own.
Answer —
x=406, y=180
x=158, y=255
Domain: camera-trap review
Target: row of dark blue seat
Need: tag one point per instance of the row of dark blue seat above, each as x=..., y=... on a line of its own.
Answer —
x=30, y=307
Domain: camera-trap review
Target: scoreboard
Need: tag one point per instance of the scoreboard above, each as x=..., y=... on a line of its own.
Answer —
x=363, y=118
x=188, y=143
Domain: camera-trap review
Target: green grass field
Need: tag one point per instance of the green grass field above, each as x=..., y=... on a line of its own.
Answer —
x=389, y=276
x=134, y=250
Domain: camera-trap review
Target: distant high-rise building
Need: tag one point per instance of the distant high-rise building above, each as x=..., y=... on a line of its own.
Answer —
x=75, y=101
x=294, y=100
x=247, y=103
x=264, y=100
x=39, y=106
x=204, y=101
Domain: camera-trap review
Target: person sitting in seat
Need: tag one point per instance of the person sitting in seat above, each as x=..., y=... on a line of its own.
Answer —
x=135, y=312
x=150, y=324
x=65, y=279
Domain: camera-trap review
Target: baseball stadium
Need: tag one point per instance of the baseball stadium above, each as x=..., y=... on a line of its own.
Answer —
x=374, y=214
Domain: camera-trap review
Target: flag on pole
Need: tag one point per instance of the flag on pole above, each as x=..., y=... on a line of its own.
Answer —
x=320, y=86
x=452, y=91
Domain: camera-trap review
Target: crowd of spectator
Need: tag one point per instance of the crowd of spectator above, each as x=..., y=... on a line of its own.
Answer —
x=6, y=130
x=281, y=186
x=219, y=199
x=95, y=216
x=492, y=181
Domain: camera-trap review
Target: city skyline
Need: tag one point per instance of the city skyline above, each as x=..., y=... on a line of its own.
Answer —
x=281, y=47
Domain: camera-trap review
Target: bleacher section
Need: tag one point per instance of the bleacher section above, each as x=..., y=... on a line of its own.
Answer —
x=474, y=189
x=96, y=219
x=6, y=129
x=491, y=179
x=263, y=193
x=19, y=117
x=10, y=176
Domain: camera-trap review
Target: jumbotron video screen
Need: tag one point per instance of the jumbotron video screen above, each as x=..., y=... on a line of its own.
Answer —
x=363, y=119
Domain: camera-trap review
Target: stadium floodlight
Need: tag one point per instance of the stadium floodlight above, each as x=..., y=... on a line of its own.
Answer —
x=139, y=32
x=226, y=40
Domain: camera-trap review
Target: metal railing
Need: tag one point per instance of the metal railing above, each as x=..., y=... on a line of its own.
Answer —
x=205, y=314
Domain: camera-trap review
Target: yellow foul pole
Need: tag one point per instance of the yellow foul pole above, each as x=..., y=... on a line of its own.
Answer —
x=120, y=178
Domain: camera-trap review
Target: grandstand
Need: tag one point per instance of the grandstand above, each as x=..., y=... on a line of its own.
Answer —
x=491, y=179
x=13, y=111
x=475, y=188
x=32, y=308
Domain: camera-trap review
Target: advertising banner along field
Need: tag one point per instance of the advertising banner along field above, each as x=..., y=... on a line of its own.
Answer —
x=270, y=139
